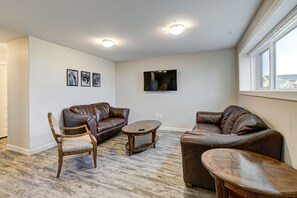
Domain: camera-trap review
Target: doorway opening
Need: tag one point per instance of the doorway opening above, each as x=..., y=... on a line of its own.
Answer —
x=3, y=94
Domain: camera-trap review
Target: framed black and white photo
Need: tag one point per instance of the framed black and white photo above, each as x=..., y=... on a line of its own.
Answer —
x=96, y=79
x=85, y=78
x=72, y=77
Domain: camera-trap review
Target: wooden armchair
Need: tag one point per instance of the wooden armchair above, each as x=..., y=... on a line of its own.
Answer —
x=72, y=144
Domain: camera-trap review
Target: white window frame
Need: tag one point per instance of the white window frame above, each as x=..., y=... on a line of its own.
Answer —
x=273, y=24
x=279, y=37
x=260, y=70
x=270, y=45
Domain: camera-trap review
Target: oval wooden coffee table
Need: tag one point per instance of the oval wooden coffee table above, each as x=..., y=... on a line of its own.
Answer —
x=249, y=174
x=141, y=128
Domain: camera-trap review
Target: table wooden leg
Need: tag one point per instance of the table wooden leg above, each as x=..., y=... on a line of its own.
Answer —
x=221, y=191
x=130, y=143
x=154, y=138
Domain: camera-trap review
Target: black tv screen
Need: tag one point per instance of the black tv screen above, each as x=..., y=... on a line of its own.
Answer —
x=163, y=80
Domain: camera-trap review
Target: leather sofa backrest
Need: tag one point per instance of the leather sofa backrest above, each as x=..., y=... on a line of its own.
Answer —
x=83, y=109
x=232, y=119
x=237, y=120
x=227, y=112
x=101, y=110
x=248, y=123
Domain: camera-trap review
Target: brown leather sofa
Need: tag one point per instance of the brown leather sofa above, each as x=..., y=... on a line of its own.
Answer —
x=102, y=120
x=234, y=128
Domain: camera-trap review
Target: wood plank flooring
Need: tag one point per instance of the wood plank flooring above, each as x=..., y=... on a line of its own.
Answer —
x=152, y=173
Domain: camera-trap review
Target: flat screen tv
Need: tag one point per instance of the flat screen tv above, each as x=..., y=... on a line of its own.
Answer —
x=163, y=80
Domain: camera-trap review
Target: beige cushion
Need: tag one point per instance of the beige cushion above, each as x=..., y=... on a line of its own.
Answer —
x=77, y=143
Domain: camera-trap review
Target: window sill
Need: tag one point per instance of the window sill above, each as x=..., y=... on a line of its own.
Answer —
x=288, y=95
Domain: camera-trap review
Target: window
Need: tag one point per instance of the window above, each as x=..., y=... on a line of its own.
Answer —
x=264, y=70
x=286, y=61
x=277, y=62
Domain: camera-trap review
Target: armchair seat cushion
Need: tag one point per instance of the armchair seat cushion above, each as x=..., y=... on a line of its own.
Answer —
x=77, y=144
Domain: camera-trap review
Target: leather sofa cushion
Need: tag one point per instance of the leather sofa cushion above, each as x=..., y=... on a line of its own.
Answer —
x=248, y=123
x=202, y=128
x=209, y=117
x=83, y=110
x=232, y=119
x=109, y=123
x=227, y=112
x=101, y=110
x=104, y=125
x=116, y=121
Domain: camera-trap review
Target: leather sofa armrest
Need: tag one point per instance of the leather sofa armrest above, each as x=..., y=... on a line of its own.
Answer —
x=119, y=113
x=267, y=142
x=209, y=117
x=72, y=119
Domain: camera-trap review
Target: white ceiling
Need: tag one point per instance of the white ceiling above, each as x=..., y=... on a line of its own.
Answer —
x=138, y=27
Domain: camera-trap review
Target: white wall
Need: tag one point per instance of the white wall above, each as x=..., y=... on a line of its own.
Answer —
x=280, y=115
x=277, y=108
x=18, y=94
x=206, y=81
x=3, y=53
x=48, y=90
x=3, y=90
x=41, y=87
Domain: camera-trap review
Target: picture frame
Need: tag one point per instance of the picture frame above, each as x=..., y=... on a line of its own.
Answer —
x=96, y=78
x=72, y=77
x=85, y=79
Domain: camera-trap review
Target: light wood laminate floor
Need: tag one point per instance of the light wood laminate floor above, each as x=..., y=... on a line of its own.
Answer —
x=152, y=173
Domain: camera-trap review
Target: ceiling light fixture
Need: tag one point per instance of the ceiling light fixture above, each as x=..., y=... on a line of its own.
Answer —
x=107, y=43
x=177, y=29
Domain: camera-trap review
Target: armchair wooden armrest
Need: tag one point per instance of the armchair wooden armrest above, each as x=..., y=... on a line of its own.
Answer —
x=72, y=136
x=88, y=132
x=76, y=127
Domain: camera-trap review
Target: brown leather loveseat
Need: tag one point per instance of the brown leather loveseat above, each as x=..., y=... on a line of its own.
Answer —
x=102, y=120
x=233, y=128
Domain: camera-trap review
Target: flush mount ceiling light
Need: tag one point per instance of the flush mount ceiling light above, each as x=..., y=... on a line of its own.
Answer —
x=107, y=43
x=177, y=29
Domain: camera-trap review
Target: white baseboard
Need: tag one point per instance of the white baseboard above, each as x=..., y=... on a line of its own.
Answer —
x=43, y=148
x=31, y=151
x=174, y=129
x=53, y=144
x=17, y=149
